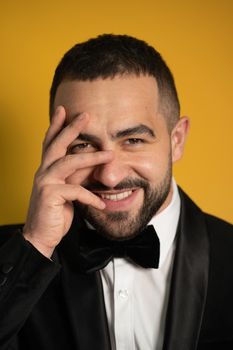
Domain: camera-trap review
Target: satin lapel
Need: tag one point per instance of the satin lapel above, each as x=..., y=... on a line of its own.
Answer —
x=84, y=298
x=189, y=280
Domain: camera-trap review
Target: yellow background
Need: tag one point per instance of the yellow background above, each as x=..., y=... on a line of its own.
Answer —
x=195, y=38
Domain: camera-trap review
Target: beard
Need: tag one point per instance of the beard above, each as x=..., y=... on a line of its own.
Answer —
x=123, y=224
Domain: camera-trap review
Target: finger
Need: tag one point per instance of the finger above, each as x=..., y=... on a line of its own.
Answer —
x=66, y=193
x=69, y=164
x=58, y=147
x=55, y=127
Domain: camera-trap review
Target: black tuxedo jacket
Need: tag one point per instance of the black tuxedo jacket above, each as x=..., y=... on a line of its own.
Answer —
x=51, y=305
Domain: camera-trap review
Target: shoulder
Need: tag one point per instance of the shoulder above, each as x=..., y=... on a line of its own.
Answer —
x=218, y=225
x=10, y=228
x=7, y=231
x=213, y=223
x=221, y=239
x=218, y=230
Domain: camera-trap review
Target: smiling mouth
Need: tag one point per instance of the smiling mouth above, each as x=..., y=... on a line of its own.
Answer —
x=115, y=196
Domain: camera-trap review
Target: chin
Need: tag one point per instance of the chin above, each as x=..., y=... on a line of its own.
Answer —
x=114, y=225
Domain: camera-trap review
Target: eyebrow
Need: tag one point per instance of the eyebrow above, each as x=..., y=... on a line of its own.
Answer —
x=135, y=130
x=89, y=138
x=138, y=129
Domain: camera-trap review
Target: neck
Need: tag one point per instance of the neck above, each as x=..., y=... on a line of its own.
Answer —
x=167, y=200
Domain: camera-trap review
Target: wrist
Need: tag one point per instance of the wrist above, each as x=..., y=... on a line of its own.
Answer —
x=44, y=249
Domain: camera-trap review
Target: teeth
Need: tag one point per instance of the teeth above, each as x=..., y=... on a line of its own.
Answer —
x=116, y=197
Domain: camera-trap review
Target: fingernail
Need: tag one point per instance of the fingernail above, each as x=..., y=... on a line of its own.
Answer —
x=81, y=116
x=102, y=205
x=57, y=111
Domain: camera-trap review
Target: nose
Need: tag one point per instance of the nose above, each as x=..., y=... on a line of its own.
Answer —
x=112, y=173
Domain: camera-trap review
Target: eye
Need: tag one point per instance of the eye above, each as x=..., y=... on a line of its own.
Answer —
x=81, y=148
x=134, y=141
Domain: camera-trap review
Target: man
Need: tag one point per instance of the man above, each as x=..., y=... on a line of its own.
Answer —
x=113, y=255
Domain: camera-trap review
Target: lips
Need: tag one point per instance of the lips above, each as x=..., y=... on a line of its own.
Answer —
x=119, y=200
x=115, y=196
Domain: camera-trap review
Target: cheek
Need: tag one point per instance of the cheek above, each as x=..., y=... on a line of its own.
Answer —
x=152, y=165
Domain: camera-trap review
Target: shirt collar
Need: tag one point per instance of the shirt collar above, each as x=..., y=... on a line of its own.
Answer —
x=165, y=224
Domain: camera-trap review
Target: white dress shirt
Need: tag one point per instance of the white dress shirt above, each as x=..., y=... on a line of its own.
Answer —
x=136, y=298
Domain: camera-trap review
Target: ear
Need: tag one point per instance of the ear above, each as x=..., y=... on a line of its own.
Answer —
x=178, y=138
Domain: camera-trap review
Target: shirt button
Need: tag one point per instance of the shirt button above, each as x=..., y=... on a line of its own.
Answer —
x=123, y=293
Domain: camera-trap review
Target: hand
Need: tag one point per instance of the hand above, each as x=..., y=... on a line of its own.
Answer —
x=51, y=210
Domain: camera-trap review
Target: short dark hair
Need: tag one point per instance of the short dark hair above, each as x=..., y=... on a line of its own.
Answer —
x=110, y=55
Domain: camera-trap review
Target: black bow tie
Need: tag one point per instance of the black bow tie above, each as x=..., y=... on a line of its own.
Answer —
x=95, y=250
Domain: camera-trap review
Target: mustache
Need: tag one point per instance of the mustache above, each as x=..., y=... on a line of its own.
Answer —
x=124, y=184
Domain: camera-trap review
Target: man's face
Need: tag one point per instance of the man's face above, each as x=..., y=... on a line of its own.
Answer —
x=124, y=118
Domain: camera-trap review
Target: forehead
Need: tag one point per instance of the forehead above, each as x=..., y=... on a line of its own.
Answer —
x=121, y=99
